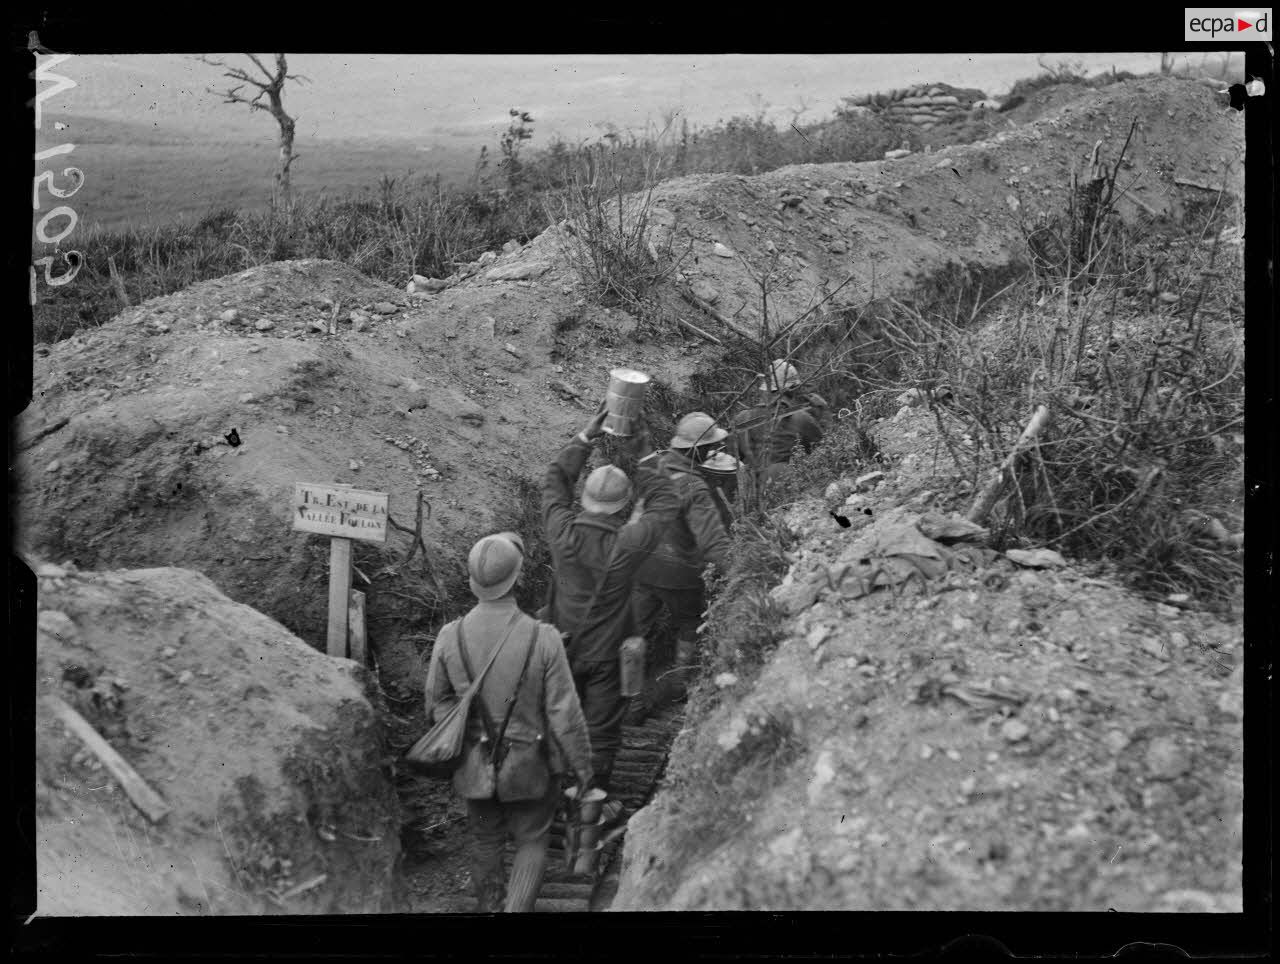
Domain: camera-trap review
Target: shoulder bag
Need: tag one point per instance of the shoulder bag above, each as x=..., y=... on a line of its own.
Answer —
x=439, y=752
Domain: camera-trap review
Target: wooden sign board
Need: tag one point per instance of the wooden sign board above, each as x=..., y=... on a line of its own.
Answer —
x=333, y=510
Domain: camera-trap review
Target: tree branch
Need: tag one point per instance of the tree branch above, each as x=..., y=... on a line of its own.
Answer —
x=271, y=78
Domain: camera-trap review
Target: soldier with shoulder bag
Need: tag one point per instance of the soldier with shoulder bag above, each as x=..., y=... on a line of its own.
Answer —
x=524, y=727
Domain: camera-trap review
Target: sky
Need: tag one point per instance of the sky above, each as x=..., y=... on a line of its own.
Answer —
x=459, y=98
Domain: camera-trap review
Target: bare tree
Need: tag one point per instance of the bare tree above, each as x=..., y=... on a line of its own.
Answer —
x=271, y=87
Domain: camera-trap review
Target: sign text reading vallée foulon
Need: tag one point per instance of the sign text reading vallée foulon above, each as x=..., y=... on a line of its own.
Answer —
x=332, y=510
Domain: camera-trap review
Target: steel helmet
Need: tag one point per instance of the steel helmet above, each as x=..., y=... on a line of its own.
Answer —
x=697, y=428
x=607, y=490
x=515, y=539
x=494, y=565
x=781, y=376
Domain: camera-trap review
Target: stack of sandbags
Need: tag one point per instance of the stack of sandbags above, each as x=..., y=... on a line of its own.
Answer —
x=925, y=106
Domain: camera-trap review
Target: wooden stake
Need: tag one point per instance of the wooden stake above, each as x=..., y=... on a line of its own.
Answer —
x=987, y=497
x=697, y=331
x=143, y=797
x=729, y=323
x=339, y=595
x=355, y=627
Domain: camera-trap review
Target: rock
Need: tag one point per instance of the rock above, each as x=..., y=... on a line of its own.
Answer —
x=1014, y=731
x=926, y=752
x=1168, y=612
x=864, y=482
x=487, y=258
x=185, y=677
x=53, y=466
x=161, y=327
x=836, y=492
x=1178, y=599
x=168, y=652
x=721, y=251
x=57, y=624
x=519, y=272
x=817, y=635
x=1166, y=759
x=433, y=285
x=950, y=528
x=315, y=324
x=247, y=398
x=705, y=290
x=896, y=154
x=512, y=350
x=360, y=323
x=724, y=680
x=385, y=308
x=1036, y=558
x=472, y=415
x=47, y=570
x=1177, y=641
x=264, y=325
x=795, y=597
x=353, y=465
x=282, y=429
x=511, y=246
x=839, y=246
x=230, y=317
x=1155, y=648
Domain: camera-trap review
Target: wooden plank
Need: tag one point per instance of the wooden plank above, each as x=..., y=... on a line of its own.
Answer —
x=566, y=891
x=339, y=510
x=355, y=627
x=143, y=797
x=339, y=595
x=553, y=906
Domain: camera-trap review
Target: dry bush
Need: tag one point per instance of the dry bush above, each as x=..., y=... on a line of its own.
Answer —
x=1135, y=344
x=609, y=239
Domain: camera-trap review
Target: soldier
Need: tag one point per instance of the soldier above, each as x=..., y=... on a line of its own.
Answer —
x=525, y=731
x=672, y=575
x=596, y=553
x=766, y=434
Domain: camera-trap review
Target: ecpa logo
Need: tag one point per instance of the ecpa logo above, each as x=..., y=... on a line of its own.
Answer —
x=1226, y=23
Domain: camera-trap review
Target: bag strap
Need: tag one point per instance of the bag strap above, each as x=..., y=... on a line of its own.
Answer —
x=499, y=750
x=595, y=593
x=479, y=681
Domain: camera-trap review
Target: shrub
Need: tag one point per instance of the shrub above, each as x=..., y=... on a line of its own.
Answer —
x=1135, y=344
x=609, y=238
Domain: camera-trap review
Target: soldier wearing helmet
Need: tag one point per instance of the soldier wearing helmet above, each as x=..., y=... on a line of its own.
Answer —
x=766, y=435
x=595, y=553
x=672, y=576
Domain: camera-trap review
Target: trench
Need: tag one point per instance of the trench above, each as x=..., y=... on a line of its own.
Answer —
x=434, y=872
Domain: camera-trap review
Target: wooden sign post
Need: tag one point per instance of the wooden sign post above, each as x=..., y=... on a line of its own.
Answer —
x=345, y=513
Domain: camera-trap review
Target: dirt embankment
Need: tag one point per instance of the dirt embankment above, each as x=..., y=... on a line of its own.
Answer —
x=1000, y=738
x=462, y=394
x=267, y=754
x=127, y=457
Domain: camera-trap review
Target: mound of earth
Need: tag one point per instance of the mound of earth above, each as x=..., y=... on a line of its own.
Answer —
x=173, y=436
x=267, y=755
x=1007, y=738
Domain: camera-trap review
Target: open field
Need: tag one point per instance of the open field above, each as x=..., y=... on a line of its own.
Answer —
x=132, y=185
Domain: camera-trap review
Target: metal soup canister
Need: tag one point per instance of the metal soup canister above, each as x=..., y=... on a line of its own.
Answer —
x=624, y=401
